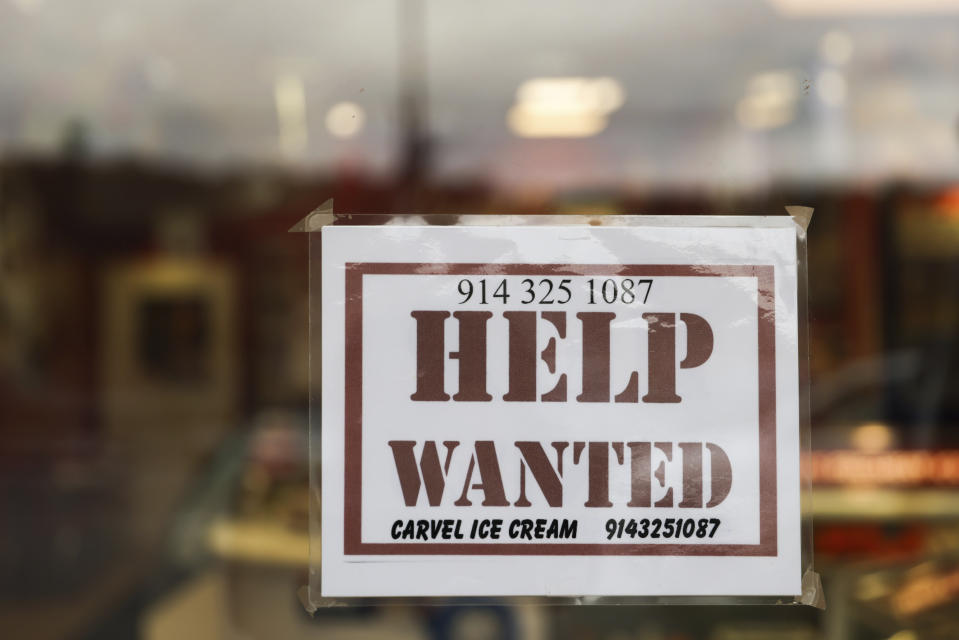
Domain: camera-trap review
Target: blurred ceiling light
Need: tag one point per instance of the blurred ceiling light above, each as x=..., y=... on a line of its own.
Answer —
x=290, y=98
x=345, y=119
x=770, y=100
x=836, y=47
x=831, y=87
x=537, y=123
x=754, y=114
x=778, y=86
x=873, y=437
x=807, y=8
x=564, y=107
x=597, y=94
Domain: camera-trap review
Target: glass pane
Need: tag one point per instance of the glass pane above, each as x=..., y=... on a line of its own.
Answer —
x=154, y=312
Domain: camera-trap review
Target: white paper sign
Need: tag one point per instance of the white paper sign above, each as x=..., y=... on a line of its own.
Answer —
x=560, y=411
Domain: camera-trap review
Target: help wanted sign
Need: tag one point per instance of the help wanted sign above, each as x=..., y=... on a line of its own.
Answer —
x=560, y=410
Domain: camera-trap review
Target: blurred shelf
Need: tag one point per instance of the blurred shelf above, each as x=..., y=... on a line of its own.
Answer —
x=260, y=541
x=885, y=504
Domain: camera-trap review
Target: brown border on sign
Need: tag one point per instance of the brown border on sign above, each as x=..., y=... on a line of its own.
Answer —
x=352, y=512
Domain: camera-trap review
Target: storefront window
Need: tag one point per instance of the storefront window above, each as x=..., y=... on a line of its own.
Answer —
x=154, y=313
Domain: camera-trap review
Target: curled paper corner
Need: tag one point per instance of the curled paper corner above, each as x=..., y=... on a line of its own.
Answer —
x=316, y=219
x=800, y=215
x=812, y=592
x=303, y=594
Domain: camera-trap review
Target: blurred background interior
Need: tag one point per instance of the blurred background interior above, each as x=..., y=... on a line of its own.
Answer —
x=153, y=310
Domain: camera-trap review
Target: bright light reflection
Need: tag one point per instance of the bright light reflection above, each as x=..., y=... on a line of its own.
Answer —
x=564, y=107
x=345, y=119
x=769, y=101
x=809, y=8
x=290, y=98
x=873, y=437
